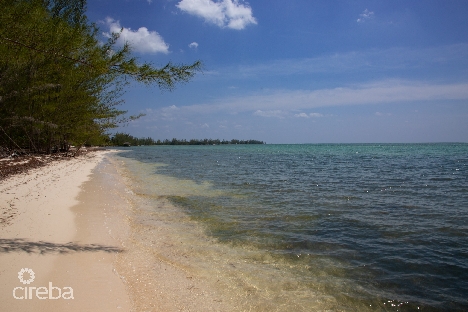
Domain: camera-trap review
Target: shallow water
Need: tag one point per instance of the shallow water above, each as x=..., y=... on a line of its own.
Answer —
x=326, y=227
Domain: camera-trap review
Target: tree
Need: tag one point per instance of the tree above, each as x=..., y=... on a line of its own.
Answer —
x=58, y=84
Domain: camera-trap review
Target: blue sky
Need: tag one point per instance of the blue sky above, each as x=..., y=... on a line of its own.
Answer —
x=299, y=71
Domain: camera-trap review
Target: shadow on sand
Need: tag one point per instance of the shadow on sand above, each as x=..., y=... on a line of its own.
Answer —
x=40, y=247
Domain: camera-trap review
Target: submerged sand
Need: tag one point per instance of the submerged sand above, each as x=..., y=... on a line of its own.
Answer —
x=74, y=225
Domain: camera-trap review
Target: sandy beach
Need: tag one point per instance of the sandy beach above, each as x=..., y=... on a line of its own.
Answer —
x=57, y=229
x=72, y=224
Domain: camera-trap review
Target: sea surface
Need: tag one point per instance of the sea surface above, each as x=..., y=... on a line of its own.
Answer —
x=338, y=227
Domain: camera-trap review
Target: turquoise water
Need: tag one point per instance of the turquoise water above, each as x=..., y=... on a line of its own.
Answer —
x=351, y=226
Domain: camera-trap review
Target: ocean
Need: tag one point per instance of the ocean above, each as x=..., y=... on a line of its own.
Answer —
x=337, y=227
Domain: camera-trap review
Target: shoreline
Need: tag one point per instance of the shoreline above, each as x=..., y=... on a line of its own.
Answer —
x=77, y=224
x=155, y=276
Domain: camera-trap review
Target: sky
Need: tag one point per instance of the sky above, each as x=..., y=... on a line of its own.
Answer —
x=299, y=71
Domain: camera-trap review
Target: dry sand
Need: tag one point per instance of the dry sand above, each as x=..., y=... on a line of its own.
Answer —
x=73, y=224
x=54, y=227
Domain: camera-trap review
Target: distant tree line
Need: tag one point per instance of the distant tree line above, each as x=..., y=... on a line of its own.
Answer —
x=122, y=139
x=60, y=84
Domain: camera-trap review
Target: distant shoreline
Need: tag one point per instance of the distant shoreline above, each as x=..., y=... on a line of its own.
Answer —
x=124, y=139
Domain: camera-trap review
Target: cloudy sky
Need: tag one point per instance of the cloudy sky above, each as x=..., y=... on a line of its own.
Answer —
x=299, y=71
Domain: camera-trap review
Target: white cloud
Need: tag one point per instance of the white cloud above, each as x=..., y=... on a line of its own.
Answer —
x=205, y=126
x=164, y=113
x=277, y=103
x=286, y=103
x=141, y=40
x=366, y=15
x=193, y=45
x=270, y=113
x=226, y=13
x=315, y=115
x=311, y=115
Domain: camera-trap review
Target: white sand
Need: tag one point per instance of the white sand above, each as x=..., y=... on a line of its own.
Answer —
x=62, y=237
x=74, y=224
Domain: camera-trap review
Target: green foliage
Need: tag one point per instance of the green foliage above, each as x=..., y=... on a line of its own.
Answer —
x=122, y=139
x=58, y=84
